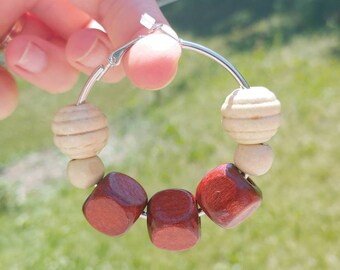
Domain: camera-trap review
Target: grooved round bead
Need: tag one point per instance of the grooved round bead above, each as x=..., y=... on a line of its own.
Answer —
x=227, y=197
x=115, y=204
x=253, y=159
x=80, y=131
x=173, y=221
x=251, y=116
x=85, y=173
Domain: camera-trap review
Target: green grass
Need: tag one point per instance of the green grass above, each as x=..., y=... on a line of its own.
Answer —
x=171, y=139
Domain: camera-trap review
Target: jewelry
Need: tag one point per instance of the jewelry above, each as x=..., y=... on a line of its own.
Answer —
x=226, y=194
x=10, y=34
x=7, y=38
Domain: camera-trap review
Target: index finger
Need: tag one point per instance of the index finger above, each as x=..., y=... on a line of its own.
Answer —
x=61, y=16
x=11, y=11
x=150, y=63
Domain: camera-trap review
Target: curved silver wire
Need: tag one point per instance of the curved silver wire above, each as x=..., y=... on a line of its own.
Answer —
x=218, y=58
x=146, y=20
x=89, y=84
x=113, y=60
x=144, y=214
x=116, y=57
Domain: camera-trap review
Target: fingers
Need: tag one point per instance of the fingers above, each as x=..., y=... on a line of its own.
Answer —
x=11, y=11
x=35, y=27
x=120, y=18
x=37, y=53
x=60, y=16
x=8, y=94
x=40, y=62
x=87, y=49
x=152, y=62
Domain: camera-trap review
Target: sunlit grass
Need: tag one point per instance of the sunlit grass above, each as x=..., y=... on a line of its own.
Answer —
x=171, y=139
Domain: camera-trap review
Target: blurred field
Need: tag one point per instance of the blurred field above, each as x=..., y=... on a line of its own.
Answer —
x=171, y=139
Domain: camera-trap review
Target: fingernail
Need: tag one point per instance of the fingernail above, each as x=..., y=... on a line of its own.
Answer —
x=95, y=55
x=33, y=59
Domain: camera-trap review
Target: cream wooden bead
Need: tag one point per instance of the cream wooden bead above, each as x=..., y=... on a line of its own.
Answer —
x=251, y=116
x=80, y=131
x=85, y=173
x=253, y=159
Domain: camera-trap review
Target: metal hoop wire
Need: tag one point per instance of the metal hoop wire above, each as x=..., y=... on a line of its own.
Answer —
x=116, y=57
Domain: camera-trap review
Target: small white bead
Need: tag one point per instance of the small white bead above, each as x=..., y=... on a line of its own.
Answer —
x=85, y=173
x=251, y=116
x=253, y=159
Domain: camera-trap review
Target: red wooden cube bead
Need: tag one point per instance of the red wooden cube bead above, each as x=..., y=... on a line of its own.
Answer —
x=115, y=204
x=173, y=221
x=227, y=197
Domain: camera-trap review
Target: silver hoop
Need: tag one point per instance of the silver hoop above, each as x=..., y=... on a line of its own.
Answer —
x=147, y=21
x=225, y=194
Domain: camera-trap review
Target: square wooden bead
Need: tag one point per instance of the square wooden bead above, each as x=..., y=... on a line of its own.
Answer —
x=115, y=204
x=227, y=197
x=173, y=221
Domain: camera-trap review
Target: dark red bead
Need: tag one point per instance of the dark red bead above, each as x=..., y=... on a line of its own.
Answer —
x=173, y=221
x=115, y=204
x=227, y=197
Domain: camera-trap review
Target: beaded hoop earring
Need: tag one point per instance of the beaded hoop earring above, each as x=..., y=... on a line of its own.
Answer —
x=251, y=116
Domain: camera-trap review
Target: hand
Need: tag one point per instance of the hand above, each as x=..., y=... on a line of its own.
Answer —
x=55, y=44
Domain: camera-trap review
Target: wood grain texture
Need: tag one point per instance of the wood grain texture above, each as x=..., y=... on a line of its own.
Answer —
x=115, y=204
x=251, y=116
x=227, y=197
x=80, y=131
x=85, y=173
x=173, y=221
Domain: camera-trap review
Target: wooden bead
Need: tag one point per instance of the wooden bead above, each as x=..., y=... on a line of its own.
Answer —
x=251, y=116
x=227, y=197
x=85, y=173
x=173, y=221
x=80, y=131
x=115, y=204
x=253, y=159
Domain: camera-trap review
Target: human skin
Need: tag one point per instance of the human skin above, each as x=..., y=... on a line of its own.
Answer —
x=55, y=45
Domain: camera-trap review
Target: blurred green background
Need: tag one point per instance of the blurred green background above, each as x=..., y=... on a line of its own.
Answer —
x=171, y=138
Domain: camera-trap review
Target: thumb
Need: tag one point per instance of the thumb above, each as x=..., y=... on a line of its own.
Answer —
x=152, y=62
